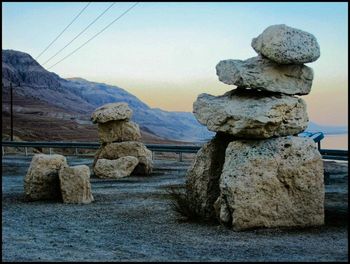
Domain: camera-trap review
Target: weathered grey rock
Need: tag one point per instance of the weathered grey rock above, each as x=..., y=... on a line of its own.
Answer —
x=263, y=74
x=272, y=183
x=252, y=115
x=112, y=111
x=287, y=45
x=75, y=184
x=202, y=179
x=118, y=131
x=115, y=169
x=114, y=151
x=41, y=181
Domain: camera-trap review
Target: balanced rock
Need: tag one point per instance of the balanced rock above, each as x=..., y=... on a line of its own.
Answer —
x=244, y=114
x=270, y=183
x=115, y=169
x=202, y=179
x=263, y=74
x=41, y=181
x=118, y=131
x=75, y=184
x=287, y=45
x=112, y=111
x=116, y=150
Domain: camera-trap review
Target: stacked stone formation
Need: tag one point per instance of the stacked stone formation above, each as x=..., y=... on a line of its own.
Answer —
x=254, y=172
x=121, y=152
x=50, y=178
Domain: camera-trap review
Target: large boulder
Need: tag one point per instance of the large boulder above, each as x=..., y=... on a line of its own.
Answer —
x=41, y=181
x=116, y=150
x=244, y=114
x=112, y=111
x=118, y=131
x=202, y=179
x=263, y=74
x=287, y=45
x=75, y=184
x=115, y=169
x=271, y=183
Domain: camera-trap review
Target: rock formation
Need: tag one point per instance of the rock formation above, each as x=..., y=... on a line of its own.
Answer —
x=41, y=181
x=255, y=172
x=75, y=184
x=121, y=152
x=50, y=178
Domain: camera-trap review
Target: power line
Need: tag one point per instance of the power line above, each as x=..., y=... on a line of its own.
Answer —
x=95, y=35
x=63, y=30
x=97, y=18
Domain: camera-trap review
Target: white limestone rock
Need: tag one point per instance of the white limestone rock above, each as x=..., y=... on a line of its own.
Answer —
x=112, y=111
x=263, y=74
x=287, y=45
x=252, y=115
x=115, y=169
x=117, y=150
x=271, y=183
x=41, y=181
x=75, y=184
x=202, y=179
x=118, y=131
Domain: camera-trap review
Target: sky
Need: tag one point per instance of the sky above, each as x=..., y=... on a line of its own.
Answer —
x=165, y=53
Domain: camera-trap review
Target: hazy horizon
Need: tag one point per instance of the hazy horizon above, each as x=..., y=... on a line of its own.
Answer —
x=166, y=53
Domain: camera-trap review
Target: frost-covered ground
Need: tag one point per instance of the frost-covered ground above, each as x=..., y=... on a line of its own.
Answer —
x=132, y=220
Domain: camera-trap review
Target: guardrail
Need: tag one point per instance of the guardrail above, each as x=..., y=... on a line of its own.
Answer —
x=326, y=153
x=179, y=149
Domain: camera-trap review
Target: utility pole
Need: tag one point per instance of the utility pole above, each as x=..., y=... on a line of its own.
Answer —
x=11, y=94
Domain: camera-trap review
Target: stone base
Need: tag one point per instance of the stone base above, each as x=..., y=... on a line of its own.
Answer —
x=115, y=169
x=75, y=184
x=113, y=151
x=41, y=181
x=271, y=183
x=202, y=179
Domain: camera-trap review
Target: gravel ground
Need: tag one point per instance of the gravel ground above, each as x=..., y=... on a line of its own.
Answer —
x=132, y=220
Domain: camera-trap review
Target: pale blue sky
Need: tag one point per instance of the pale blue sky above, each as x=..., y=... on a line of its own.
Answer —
x=166, y=53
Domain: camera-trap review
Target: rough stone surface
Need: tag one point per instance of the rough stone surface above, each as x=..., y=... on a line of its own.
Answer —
x=114, y=151
x=118, y=131
x=287, y=45
x=114, y=169
x=75, y=184
x=202, y=179
x=41, y=181
x=244, y=114
x=272, y=183
x=112, y=111
x=263, y=74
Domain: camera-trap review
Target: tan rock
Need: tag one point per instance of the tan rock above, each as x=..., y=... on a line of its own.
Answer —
x=287, y=45
x=41, y=181
x=263, y=74
x=118, y=131
x=272, y=183
x=202, y=179
x=112, y=111
x=244, y=114
x=115, y=150
x=115, y=169
x=75, y=184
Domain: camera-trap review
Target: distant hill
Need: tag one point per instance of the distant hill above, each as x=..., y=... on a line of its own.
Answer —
x=78, y=98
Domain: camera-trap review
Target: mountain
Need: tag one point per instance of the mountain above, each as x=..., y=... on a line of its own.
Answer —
x=75, y=99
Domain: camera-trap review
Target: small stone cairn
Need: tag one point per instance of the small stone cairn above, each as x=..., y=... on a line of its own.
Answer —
x=256, y=172
x=121, y=152
x=50, y=178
